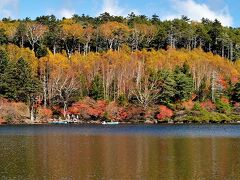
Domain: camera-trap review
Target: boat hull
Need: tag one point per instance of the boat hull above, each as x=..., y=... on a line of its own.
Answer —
x=110, y=123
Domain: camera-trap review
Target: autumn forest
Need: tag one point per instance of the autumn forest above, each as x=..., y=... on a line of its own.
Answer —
x=113, y=68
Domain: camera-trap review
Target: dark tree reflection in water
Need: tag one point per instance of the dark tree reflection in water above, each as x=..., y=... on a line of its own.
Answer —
x=122, y=152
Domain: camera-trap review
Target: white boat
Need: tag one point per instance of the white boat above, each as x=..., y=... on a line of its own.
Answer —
x=110, y=123
x=58, y=122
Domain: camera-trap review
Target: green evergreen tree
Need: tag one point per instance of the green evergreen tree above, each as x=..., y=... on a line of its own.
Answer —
x=3, y=37
x=183, y=83
x=41, y=51
x=22, y=85
x=20, y=82
x=4, y=62
x=96, y=91
x=167, y=82
x=20, y=36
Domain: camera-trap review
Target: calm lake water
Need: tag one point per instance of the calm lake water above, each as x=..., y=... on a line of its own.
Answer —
x=120, y=152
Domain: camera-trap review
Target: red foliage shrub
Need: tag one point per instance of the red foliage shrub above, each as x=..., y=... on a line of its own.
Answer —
x=122, y=114
x=101, y=104
x=164, y=112
x=208, y=105
x=98, y=108
x=115, y=113
x=77, y=107
x=44, y=113
x=94, y=112
x=88, y=107
x=188, y=105
x=222, y=82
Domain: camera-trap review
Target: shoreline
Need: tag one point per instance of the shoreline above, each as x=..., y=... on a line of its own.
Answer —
x=130, y=123
x=150, y=116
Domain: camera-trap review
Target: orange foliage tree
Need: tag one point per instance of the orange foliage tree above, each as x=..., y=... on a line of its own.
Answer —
x=73, y=32
x=164, y=112
x=44, y=114
x=113, y=32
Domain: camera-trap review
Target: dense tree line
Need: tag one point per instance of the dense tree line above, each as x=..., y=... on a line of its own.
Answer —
x=144, y=78
x=54, y=64
x=84, y=34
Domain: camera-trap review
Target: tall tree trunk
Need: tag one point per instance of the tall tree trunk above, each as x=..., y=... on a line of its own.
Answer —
x=231, y=51
x=64, y=108
x=209, y=46
x=222, y=50
x=171, y=41
x=110, y=44
x=213, y=86
x=45, y=90
x=45, y=85
x=86, y=48
x=195, y=42
x=200, y=43
x=54, y=49
x=79, y=48
x=33, y=47
x=31, y=108
x=31, y=114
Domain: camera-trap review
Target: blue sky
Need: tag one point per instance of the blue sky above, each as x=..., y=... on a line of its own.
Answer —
x=224, y=10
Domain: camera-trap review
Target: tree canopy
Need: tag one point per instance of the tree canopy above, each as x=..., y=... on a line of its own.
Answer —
x=54, y=63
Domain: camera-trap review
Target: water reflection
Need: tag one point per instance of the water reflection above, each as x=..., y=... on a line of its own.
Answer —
x=75, y=156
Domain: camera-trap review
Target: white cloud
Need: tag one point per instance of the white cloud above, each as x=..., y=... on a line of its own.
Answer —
x=66, y=9
x=113, y=8
x=196, y=11
x=67, y=13
x=8, y=8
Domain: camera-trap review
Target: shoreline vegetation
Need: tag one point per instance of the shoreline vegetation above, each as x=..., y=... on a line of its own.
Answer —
x=131, y=69
x=89, y=111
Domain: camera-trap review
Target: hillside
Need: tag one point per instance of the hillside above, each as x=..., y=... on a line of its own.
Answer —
x=117, y=68
x=118, y=85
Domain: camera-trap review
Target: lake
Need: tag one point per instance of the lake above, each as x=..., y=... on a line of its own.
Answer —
x=120, y=152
